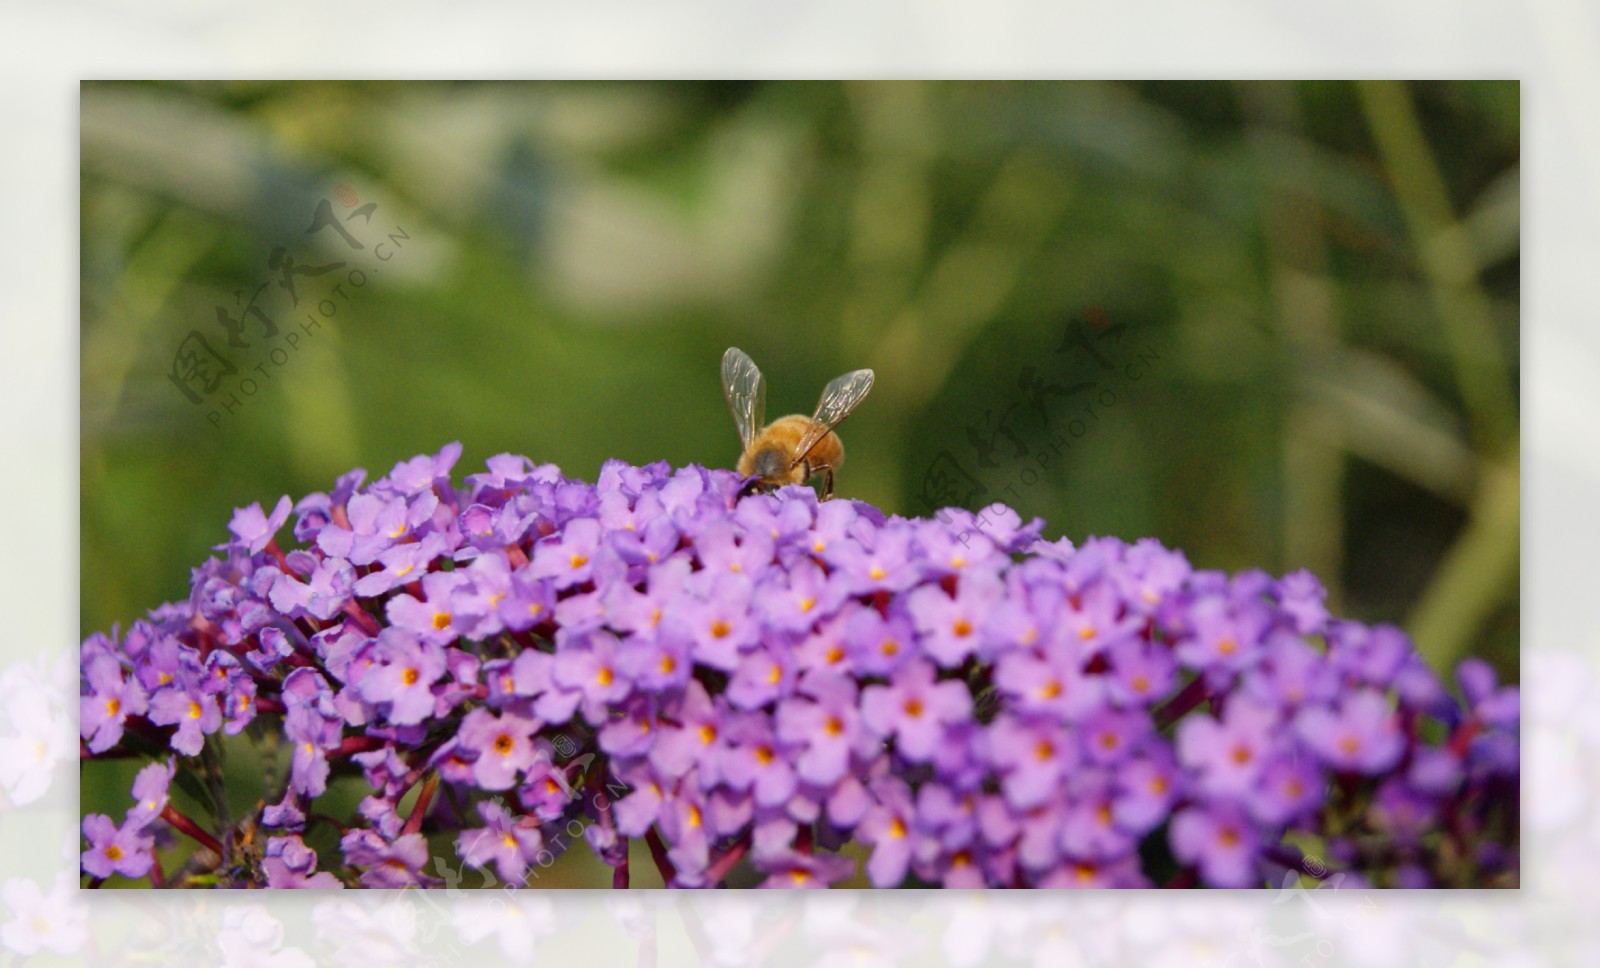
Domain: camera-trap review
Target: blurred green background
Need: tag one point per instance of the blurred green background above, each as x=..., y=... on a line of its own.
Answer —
x=1302, y=298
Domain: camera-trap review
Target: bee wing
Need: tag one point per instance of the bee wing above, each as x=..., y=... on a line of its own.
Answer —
x=839, y=398
x=746, y=391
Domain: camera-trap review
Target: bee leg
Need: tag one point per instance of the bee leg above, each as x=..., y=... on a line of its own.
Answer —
x=827, y=483
x=751, y=487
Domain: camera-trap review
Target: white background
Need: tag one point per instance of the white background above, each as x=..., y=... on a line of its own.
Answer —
x=1553, y=47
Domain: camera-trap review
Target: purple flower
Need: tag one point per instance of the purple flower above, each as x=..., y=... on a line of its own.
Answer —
x=765, y=679
x=1229, y=754
x=757, y=761
x=568, y=560
x=112, y=850
x=503, y=744
x=1223, y=634
x=111, y=698
x=1358, y=734
x=807, y=871
x=1031, y=756
x=430, y=617
x=150, y=793
x=914, y=708
x=187, y=706
x=252, y=528
x=1499, y=707
x=1288, y=787
x=588, y=665
x=290, y=864
x=402, y=675
x=396, y=864
x=507, y=842
x=888, y=828
x=822, y=722
x=1220, y=842
x=401, y=564
x=376, y=523
x=949, y=624
x=312, y=727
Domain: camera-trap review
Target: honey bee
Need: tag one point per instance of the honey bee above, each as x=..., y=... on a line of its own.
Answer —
x=793, y=449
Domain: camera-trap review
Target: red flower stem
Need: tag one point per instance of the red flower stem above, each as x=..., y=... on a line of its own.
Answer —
x=355, y=745
x=619, y=874
x=719, y=869
x=418, y=810
x=1183, y=879
x=266, y=704
x=180, y=821
x=96, y=882
x=362, y=617
x=1462, y=738
x=802, y=843
x=658, y=851
x=1187, y=699
x=277, y=553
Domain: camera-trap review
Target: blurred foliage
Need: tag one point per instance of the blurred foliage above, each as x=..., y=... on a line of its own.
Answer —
x=1302, y=299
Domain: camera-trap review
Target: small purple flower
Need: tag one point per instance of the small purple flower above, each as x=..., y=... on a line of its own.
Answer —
x=1220, y=841
x=401, y=564
x=187, y=706
x=822, y=721
x=1288, y=787
x=807, y=871
x=323, y=596
x=289, y=863
x=1224, y=634
x=1146, y=788
x=588, y=664
x=568, y=560
x=949, y=624
x=888, y=828
x=402, y=675
x=150, y=793
x=757, y=761
x=112, y=698
x=1229, y=753
x=430, y=617
x=503, y=744
x=1498, y=707
x=1032, y=756
x=252, y=528
x=1302, y=598
x=396, y=864
x=889, y=565
x=112, y=850
x=914, y=708
x=507, y=842
x=1358, y=734
x=376, y=523
x=791, y=602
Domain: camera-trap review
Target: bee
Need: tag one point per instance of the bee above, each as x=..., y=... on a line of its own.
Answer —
x=793, y=449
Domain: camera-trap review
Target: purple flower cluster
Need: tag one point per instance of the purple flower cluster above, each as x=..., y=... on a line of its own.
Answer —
x=750, y=682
